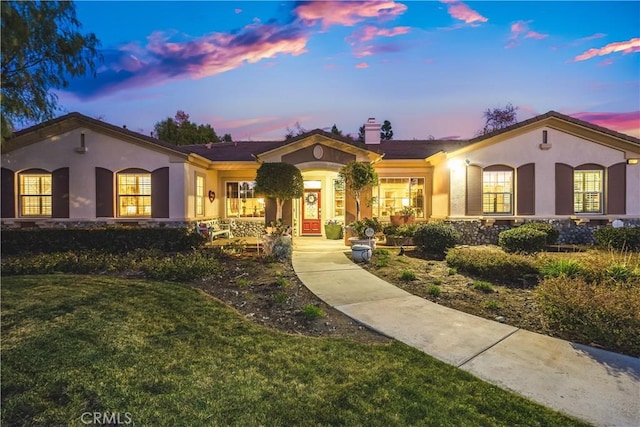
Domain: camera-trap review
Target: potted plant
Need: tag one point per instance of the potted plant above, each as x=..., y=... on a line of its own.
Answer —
x=333, y=229
x=406, y=215
x=399, y=235
x=277, y=240
x=360, y=229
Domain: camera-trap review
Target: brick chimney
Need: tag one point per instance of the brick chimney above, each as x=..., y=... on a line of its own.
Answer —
x=372, y=131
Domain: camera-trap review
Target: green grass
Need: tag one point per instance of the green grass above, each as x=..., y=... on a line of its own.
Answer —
x=171, y=356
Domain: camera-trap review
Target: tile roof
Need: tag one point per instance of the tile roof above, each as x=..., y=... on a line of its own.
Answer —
x=560, y=116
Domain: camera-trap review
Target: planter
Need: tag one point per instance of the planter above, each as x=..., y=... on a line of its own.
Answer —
x=402, y=219
x=361, y=253
x=398, y=241
x=367, y=242
x=333, y=231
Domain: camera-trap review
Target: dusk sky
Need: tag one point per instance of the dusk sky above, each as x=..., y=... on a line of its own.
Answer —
x=253, y=68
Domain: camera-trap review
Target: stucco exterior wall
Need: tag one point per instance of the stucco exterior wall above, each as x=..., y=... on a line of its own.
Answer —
x=102, y=151
x=525, y=148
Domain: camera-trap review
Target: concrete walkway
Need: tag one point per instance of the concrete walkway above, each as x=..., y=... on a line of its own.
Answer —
x=597, y=386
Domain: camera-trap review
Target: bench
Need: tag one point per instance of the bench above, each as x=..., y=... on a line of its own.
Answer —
x=213, y=228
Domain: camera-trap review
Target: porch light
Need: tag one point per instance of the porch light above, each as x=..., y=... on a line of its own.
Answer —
x=405, y=202
x=632, y=161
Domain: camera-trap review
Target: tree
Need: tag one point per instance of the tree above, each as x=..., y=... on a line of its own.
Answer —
x=181, y=131
x=226, y=138
x=281, y=181
x=358, y=177
x=336, y=131
x=295, y=131
x=41, y=49
x=499, y=118
x=386, y=134
x=361, y=133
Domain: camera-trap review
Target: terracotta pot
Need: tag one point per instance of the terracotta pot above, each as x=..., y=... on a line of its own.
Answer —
x=402, y=219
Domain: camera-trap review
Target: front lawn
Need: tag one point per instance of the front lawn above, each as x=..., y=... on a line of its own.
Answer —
x=167, y=354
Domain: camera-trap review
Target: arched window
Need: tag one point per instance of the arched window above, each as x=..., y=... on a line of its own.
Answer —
x=35, y=193
x=497, y=190
x=134, y=193
x=588, y=189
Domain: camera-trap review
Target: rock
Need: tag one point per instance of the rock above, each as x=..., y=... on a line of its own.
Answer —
x=500, y=319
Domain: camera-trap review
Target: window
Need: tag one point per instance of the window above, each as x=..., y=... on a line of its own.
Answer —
x=339, y=199
x=134, y=194
x=241, y=200
x=199, y=195
x=393, y=194
x=35, y=194
x=587, y=191
x=497, y=192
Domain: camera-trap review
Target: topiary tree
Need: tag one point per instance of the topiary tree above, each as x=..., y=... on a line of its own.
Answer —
x=358, y=177
x=552, y=233
x=281, y=181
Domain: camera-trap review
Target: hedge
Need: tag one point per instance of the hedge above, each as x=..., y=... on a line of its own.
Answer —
x=107, y=239
x=624, y=238
x=526, y=240
x=435, y=238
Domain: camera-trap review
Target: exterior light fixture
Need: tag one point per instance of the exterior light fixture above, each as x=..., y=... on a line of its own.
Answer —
x=545, y=141
x=632, y=161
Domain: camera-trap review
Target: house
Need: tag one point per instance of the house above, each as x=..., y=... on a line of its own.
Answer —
x=78, y=171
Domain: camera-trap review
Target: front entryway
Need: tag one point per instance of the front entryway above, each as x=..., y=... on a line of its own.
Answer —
x=312, y=212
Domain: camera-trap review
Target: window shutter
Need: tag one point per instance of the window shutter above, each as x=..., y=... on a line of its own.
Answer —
x=8, y=196
x=474, y=190
x=104, y=193
x=60, y=193
x=160, y=193
x=526, y=189
x=564, y=189
x=617, y=189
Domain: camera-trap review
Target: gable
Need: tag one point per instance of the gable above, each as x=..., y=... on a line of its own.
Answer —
x=318, y=152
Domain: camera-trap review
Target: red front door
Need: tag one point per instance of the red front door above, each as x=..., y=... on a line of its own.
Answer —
x=311, y=212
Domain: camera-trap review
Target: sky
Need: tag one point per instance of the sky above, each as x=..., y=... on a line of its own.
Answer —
x=255, y=68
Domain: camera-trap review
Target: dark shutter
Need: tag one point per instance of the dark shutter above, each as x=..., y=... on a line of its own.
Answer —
x=617, y=189
x=104, y=193
x=474, y=190
x=8, y=196
x=60, y=193
x=160, y=193
x=526, y=190
x=564, y=189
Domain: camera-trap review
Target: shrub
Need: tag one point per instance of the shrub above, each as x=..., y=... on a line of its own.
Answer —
x=493, y=264
x=282, y=282
x=491, y=304
x=280, y=297
x=452, y=271
x=106, y=239
x=278, y=247
x=435, y=238
x=524, y=240
x=400, y=230
x=311, y=311
x=242, y=282
x=480, y=285
x=180, y=267
x=608, y=315
x=562, y=267
x=624, y=238
x=87, y=262
x=360, y=226
x=552, y=233
x=408, y=275
x=434, y=290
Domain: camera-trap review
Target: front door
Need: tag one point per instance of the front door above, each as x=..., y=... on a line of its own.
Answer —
x=311, y=212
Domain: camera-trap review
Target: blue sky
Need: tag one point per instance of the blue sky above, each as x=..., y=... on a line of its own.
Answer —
x=253, y=68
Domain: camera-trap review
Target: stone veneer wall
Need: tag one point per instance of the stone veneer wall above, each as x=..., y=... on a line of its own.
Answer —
x=475, y=232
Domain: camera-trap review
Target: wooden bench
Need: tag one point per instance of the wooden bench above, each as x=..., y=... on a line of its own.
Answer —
x=213, y=228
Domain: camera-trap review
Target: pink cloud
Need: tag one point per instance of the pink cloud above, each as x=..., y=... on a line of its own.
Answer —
x=629, y=46
x=237, y=11
x=330, y=13
x=461, y=11
x=162, y=59
x=606, y=62
x=628, y=123
x=362, y=65
x=369, y=32
x=520, y=30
